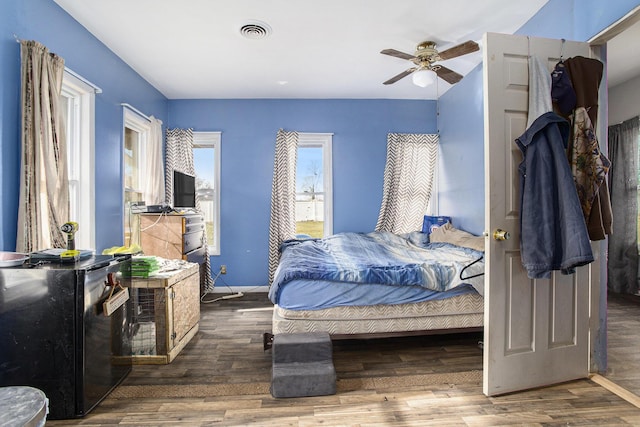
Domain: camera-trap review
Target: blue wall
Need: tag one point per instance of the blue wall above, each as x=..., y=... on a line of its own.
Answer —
x=576, y=19
x=249, y=130
x=461, y=173
x=44, y=21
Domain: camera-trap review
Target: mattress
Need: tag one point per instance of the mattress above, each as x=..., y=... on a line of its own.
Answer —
x=458, y=312
x=301, y=294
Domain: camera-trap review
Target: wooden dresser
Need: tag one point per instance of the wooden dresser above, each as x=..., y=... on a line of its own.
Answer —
x=173, y=236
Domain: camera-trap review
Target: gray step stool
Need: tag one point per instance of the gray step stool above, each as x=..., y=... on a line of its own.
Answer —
x=302, y=365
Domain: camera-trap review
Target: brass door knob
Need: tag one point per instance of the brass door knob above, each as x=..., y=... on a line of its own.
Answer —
x=501, y=234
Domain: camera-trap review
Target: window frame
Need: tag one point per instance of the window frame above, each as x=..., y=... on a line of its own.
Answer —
x=80, y=134
x=325, y=142
x=213, y=140
x=132, y=120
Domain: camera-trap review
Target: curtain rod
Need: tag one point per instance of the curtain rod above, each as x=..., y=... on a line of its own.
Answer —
x=135, y=110
x=95, y=88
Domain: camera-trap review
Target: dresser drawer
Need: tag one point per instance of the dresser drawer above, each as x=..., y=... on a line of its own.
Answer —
x=190, y=219
x=191, y=241
x=197, y=255
x=192, y=227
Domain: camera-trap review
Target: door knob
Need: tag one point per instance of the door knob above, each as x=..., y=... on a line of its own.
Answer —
x=501, y=235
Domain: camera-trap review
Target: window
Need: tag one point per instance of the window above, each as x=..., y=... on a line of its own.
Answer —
x=206, y=157
x=136, y=133
x=314, y=195
x=77, y=110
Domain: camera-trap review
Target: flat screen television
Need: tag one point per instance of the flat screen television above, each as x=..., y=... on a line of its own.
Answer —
x=184, y=190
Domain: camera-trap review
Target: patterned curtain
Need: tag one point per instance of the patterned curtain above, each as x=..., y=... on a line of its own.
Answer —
x=44, y=185
x=622, y=265
x=282, y=225
x=408, y=181
x=179, y=156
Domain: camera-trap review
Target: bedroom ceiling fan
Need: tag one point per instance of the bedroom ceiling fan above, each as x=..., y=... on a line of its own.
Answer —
x=424, y=58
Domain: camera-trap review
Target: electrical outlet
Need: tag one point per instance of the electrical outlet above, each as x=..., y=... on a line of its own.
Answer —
x=223, y=269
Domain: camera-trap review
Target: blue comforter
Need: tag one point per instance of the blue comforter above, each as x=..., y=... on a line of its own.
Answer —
x=377, y=257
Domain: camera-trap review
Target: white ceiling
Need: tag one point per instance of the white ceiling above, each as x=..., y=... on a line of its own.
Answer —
x=191, y=49
x=622, y=62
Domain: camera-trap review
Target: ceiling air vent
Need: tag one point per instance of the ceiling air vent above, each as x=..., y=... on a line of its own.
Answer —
x=255, y=30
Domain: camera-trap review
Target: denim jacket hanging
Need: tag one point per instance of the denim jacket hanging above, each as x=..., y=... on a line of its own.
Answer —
x=553, y=233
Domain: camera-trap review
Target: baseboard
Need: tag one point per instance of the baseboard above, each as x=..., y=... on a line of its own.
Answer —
x=616, y=389
x=235, y=289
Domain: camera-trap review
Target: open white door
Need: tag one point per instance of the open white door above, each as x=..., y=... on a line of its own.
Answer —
x=536, y=331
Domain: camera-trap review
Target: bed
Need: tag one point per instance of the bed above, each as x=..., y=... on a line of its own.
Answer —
x=380, y=284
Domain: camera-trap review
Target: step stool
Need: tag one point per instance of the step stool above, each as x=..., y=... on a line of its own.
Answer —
x=302, y=365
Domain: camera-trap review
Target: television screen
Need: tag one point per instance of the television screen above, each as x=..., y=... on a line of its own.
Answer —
x=184, y=190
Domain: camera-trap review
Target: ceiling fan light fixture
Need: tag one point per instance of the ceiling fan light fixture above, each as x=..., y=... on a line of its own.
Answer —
x=423, y=77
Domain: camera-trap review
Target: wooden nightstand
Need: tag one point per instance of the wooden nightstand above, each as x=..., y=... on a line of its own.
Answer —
x=166, y=314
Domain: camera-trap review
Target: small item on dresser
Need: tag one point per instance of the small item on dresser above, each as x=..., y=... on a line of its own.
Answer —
x=12, y=259
x=159, y=209
x=138, y=207
x=143, y=266
x=70, y=229
x=70, y=255
x=118, y=250
x=60, y=255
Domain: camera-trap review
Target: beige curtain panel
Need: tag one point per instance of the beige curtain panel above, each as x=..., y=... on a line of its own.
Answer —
x=44, y=185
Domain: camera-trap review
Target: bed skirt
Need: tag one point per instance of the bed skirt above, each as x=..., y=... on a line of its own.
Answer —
x=462, y=312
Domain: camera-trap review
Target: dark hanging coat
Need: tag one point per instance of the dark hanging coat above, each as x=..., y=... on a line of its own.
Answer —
x=586, y=74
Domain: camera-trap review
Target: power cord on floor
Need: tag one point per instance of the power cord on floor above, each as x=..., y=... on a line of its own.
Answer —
x=231, y=296
x=224, y=297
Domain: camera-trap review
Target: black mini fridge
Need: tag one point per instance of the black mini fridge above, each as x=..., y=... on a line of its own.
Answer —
x=54, y=335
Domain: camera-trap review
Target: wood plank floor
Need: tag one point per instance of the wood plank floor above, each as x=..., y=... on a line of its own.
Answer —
x=624, y=341
x=223, y=374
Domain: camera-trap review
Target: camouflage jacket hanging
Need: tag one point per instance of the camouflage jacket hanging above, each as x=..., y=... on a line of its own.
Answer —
x=588, y=165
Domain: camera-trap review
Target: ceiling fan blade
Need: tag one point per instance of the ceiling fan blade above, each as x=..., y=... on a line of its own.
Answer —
x=397, y=54
x=403, y=74
x=459, y=50
x=448, y=75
